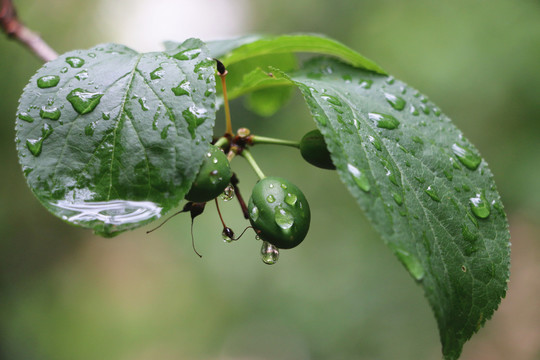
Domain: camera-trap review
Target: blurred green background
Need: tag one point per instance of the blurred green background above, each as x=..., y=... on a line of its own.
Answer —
x=66, y=294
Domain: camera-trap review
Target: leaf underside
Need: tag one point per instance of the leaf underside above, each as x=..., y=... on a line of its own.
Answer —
x=110, y=139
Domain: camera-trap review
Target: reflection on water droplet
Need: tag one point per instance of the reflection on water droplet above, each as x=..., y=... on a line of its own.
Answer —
x=270, y=198
x=112, y=214
x=479, y=206
x=25, y=117
x=384, y=121
x=283, y=218
x=269, y=253
x=432, y=194
x=51, y=113
x=359, y=178
x=84, y=101
x=291, y=199
x=75, y=62
x=157, y=73
x=254, y=214
x=466, y=157
x=48, y=81
x=412, y=263
x=188, y=54
x=395, y=101
x=228, y=193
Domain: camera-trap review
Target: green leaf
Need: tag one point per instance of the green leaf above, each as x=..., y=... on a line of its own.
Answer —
x=294, y=43
x=111, y=139
x=422, y=184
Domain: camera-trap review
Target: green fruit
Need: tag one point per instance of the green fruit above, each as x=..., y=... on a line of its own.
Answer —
x=213, y=177
x=279, y=212
x=314, y=150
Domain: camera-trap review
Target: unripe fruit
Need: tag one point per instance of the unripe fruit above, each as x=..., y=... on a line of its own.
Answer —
x=314, y=150
x=213, y=177
x=279, y=212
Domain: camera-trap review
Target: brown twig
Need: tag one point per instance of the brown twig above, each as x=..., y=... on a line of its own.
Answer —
x=11, y=25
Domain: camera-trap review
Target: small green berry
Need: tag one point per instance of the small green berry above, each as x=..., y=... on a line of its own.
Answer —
x=279, y=212
x=314, y=150
x=213, y=177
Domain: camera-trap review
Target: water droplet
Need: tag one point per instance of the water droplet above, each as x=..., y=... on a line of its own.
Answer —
x=384, y=121
x=208, y=93
x=359, y=178
x=228, y=193
x=411, y=262
x=291, y=199
x=157, y=73
x=106, y=116
x=270, y=198
x=84, y=101
x=466, y=157
x=257, y=237
x=188, y=54
x=283, y=218
x=254, y=214
x=142, y=102
x=414, y=111
x=432, y=194
x=165, y=131
x=375, y=142
x=284, y=186
x=226, y=235
x=449, y=175
x=35, y=145
x=417, y=140
x=366, y=84
x=89, y=129
x=182, y=88
x=390, y=80
x=83, y=75
x=398, y=198
x=424, y=109
x=332, y=99
x=194, y=117
x=395, y=101
x=75, y=62
x=51, y=113
x=64, y=70
x=25, y=117
x=92, y=55
x=269, y=253
x=479, y=206
x=463, y=268
x=48, y=81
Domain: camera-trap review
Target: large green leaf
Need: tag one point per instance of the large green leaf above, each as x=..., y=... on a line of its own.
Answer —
x=110, y=139
x=422, y=184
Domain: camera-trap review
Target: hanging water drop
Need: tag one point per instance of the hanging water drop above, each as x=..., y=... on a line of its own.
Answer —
x=227, y=235
x=359, y=178
x=228, y=193
x=269, y=253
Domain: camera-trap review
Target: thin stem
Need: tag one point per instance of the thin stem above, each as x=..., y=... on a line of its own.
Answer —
x=228, y=129
x=10, y=24
x=255, y=139
x=247, y=155
x=221, y=142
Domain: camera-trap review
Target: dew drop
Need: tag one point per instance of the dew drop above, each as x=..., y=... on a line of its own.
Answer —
x=48, y=81
x=332, y=100
x=411, y=262
x=182, y=88
x=228, y=193
x=254, y=214
x=269, y=253
x=64, y=70
x=89, y=129
x=375, y=142
x=284, y=186
x=424, y=108
x=51, y=113
x=106, y=116
x=359, y=178
x=366, y=84
x=142, y=102
x=384, y=121
x=479, y=206
x=395, y=101
x=466, y=157
x=283, y=218
x=398, y=198
x=75, y=62
x=414, y=111
x=432, y=194
x=291, y=199
x=188, y=54
x=84, y=101
x=270, y=199
x=83, y=75
x=165, y=132
x=157, y=73
x=25, y=117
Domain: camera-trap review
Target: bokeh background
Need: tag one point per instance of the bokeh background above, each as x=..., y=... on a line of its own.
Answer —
x=67, y=294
